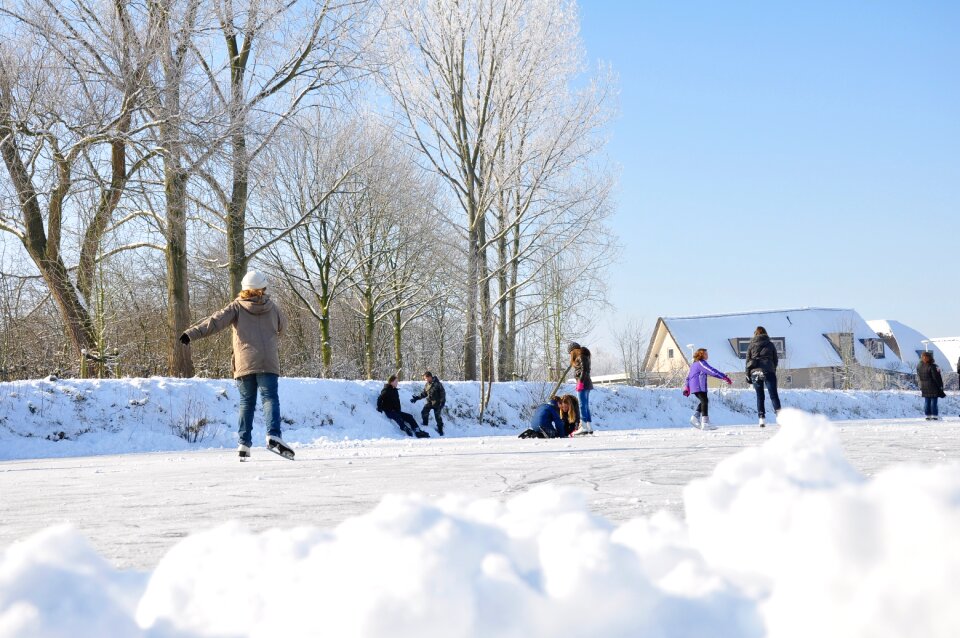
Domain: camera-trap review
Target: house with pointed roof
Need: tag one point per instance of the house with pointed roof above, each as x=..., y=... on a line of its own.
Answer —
x=817, y=347
x=908, y=343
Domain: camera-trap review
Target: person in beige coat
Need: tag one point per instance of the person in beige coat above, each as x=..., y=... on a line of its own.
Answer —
x=257, y=324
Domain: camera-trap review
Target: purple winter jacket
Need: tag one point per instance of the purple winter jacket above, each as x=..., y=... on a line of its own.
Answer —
x=697, y=377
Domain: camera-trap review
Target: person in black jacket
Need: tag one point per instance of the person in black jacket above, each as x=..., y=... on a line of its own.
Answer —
x=931, y=385
x=389, y=404
x=762, y=370
x=436, y=397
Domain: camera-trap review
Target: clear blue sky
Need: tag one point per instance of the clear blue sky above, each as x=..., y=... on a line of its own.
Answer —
x=780, y=155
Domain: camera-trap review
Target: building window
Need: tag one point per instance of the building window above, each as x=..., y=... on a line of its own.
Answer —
x=740, y=346
x=842, y=343
x=875, y=348
x=670, y=353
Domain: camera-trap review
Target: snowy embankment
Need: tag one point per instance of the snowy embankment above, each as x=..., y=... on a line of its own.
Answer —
x=781, y=540
x=55, y=418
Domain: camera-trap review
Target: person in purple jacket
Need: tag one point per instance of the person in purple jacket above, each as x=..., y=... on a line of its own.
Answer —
x=696, y=385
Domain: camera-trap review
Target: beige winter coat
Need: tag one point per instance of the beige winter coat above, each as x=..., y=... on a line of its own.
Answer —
x=257, y=325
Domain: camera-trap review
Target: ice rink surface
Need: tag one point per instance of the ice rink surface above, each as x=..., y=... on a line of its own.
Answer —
x=134, y=507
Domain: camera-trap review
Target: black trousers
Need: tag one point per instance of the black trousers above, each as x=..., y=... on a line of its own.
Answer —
x=704, y=403
x=403, y=419
x=425, y=414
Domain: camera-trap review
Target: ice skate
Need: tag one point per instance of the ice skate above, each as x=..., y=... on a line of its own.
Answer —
x=583, y=429
x=276, y=445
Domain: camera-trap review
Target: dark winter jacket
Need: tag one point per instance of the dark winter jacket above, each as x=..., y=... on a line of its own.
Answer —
x=762, y=355
x=931, y=383
x=389, y=399
x=547, y=420
x=580, y=357
x=434, y=393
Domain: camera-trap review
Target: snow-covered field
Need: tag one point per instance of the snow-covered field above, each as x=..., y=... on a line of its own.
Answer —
x=57, y=418
x=649, y=528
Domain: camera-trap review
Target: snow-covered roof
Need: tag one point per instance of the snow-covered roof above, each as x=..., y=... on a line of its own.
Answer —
x=802, y=329
x=950, y=347
x=909, y=341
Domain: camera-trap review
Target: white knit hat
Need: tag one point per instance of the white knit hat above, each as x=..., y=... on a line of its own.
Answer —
x=254, y=280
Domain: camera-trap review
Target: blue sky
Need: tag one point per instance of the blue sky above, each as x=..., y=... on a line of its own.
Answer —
x=781, y=155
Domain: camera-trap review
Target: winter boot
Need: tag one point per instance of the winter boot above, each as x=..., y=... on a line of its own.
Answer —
x=695, y=420
x=420, y=434
x=763, y=422
x=243, y=451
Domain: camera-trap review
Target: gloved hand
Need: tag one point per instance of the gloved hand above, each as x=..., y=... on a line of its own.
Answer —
x=579, y=386
x=413, y=399
x=686, y=392
x=749, y=380
x=185, y=339
x=728, y=380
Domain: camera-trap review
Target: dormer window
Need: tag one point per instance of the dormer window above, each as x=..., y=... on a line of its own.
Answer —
x=740, y=346
x=875, y=347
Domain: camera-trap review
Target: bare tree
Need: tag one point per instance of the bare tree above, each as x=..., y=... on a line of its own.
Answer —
x=280, y=56
x=305, y=177
x=631, y=340
x=482, y=88
x=68, y=98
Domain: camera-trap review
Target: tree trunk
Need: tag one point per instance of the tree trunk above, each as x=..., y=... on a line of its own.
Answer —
x=180, y=362
x=109, y=199
x=326, y=353
x=369, y=324
x=398, y=341
x=470, y=338
x=237, y=210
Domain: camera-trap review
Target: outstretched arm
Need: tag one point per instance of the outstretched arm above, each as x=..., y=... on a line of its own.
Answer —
x=212, y=324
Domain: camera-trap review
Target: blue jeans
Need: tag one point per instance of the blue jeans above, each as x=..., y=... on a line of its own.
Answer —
x=583, y=396
x=930, y=406
x=770, y=380
x=248, y=386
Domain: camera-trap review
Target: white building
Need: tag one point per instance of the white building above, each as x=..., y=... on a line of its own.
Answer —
x=950, y=347
x=817, y=346
x=909, y=343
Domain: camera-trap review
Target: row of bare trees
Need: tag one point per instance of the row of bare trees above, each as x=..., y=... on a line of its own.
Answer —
x=423, y=179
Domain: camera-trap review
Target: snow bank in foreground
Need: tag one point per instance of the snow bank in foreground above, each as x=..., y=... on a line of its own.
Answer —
x=52, y=418
x=782, y=540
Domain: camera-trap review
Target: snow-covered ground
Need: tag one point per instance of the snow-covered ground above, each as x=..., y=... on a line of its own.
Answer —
x=58, y=418
x=648, y=528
